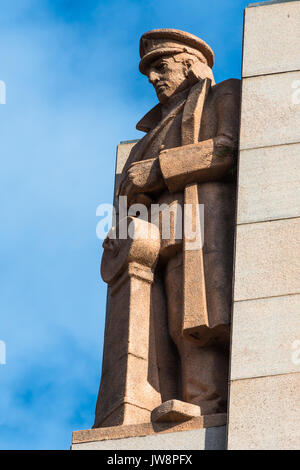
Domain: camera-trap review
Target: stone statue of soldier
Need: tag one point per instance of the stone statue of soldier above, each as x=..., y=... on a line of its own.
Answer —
x=189, y=150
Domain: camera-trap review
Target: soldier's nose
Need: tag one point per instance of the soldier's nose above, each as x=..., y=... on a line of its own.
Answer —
x=153, y=77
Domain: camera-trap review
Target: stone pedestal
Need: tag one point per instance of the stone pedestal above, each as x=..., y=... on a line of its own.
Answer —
x=205, y=433
x=264, y=410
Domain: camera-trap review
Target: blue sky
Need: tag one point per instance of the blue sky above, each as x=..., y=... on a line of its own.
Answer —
x=73, y=93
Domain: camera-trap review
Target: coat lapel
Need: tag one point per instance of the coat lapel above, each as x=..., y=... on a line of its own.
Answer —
x=193, y=112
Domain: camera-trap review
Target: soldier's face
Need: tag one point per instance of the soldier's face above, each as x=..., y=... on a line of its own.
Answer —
x=168, y=77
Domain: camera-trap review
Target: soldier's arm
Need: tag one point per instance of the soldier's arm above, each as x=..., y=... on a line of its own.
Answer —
x=209, y=160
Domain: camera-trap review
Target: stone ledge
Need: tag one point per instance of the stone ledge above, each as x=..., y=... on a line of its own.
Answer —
x=269, y=2
x=146, y=429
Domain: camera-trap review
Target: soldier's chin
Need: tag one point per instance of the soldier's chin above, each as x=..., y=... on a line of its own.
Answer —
x=163, y=96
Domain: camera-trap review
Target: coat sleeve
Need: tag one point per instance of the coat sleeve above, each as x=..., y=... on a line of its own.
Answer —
x=209, y=160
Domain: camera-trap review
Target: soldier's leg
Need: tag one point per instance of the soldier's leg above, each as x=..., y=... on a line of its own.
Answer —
x=204, y=371
x=204, y=377
x=166, y=359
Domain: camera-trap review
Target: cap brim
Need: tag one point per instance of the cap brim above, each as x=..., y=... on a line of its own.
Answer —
x=156, y=53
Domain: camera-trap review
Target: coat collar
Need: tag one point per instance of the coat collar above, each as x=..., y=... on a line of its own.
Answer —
x=158, y=113
x=154, y=116
x=150, y=120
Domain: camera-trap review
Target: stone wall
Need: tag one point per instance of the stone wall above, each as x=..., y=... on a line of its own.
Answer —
x=264, y=410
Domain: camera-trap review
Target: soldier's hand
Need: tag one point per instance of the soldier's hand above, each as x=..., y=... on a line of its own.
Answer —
x=142, y=177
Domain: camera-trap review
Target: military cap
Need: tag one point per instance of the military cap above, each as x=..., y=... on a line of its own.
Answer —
x=158, y=42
